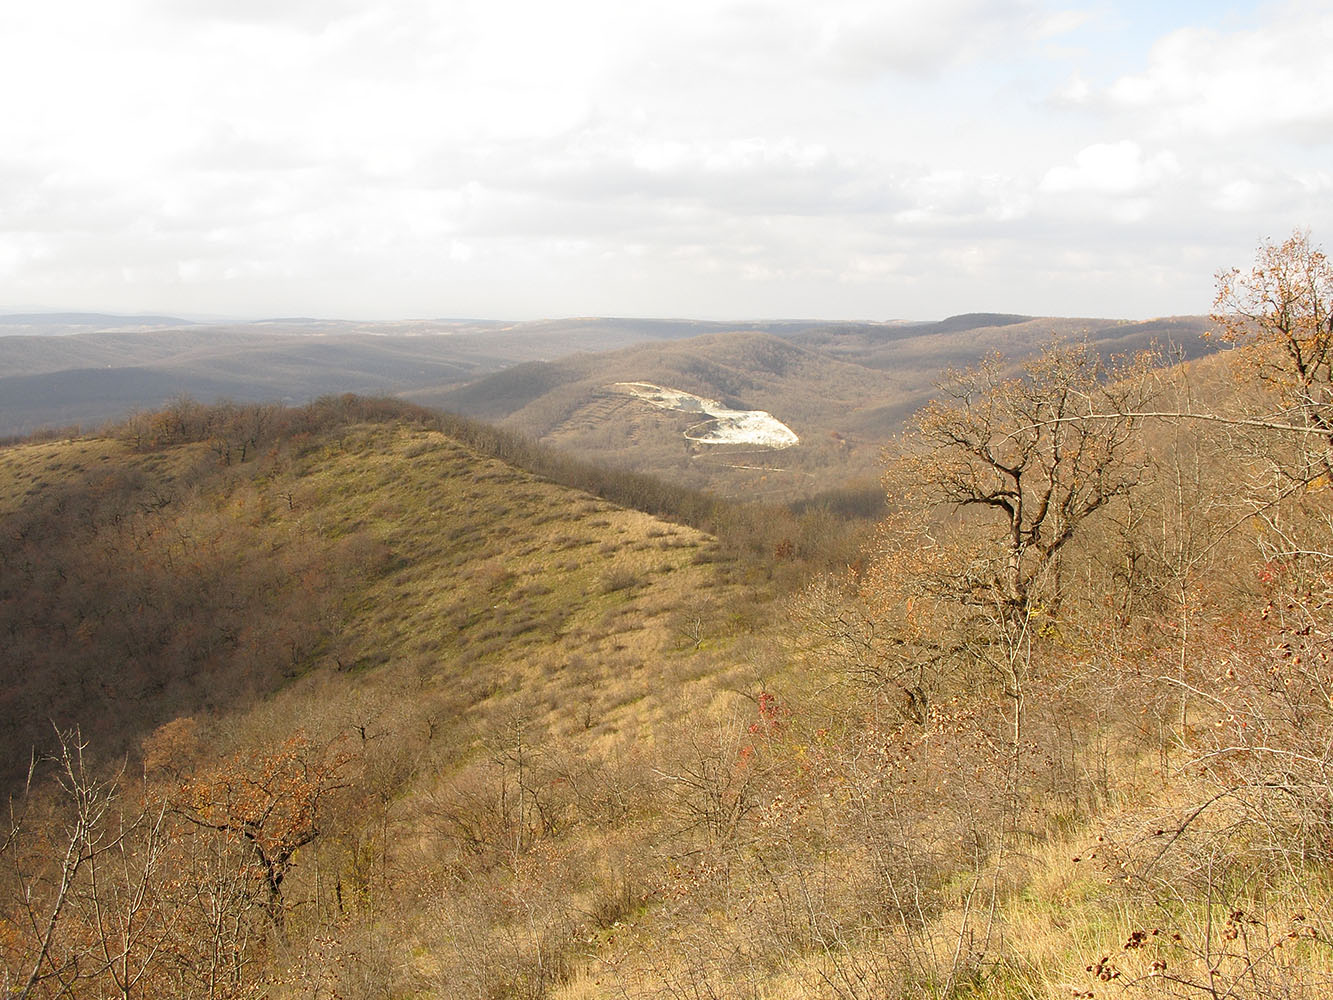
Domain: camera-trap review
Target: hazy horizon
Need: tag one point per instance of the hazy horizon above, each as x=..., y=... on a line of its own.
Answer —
x=8, y=317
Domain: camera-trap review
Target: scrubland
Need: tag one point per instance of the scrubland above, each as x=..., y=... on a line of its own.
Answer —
x=355, y=700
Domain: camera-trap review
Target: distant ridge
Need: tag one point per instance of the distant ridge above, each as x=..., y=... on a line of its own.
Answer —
x=970, y=321
x=844, y=387
x=89, y=319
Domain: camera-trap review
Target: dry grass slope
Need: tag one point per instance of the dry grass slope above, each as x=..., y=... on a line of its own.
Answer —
x=544, y=746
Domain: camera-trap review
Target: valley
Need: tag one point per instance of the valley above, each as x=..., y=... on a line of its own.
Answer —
x=709, y=501
x=842, y=390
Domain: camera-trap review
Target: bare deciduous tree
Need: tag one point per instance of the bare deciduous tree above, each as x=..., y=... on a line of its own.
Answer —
x=1280, y=312
x=1020, y=448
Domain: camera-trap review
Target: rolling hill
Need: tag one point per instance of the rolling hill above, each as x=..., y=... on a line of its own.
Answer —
x=102, y=370
x=920, y=350
x=506, y=651
x=369, y=704
x=359, y=546
x=844, y=389
x=841, y=412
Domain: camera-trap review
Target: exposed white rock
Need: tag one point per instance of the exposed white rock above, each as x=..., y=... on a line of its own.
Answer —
x=724, y=426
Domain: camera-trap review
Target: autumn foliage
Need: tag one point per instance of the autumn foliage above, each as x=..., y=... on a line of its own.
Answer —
x=1063, y=728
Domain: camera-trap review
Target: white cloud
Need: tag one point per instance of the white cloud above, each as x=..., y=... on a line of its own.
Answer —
x=728, y=157
x=927, y=36
x=1073, y=92
x=1276, y=76
x=1060, y=22
x=1111, y=168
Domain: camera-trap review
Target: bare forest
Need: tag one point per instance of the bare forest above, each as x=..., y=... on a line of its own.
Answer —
x=359, y=700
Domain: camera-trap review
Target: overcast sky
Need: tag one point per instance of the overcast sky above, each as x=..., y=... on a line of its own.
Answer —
x=704, y=158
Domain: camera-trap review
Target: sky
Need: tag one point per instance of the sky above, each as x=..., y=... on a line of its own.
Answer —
x=712, y=159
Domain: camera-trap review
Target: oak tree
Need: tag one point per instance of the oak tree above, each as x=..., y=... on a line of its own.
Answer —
x=1038, y=453
x=269, y=801
x=1280, y=314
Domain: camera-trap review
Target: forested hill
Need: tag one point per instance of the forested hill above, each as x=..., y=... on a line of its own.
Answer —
x=216, y=554
x=366, y=709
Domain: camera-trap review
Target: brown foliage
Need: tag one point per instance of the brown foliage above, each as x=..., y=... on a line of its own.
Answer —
x=269, y=802
x=1039, y=453
x=1280, y=312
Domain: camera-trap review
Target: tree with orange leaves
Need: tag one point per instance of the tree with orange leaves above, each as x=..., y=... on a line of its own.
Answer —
x=1280, y=313
x=269, y=802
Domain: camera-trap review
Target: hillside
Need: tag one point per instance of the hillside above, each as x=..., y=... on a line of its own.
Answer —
x=844, y=389
x=82, y=369
x=400, y=718
x=457, y=666
x=359, y=546
x=918, y=351
x=98, y=371
x=64, y=324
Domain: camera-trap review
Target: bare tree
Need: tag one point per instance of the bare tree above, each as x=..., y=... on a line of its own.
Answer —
x=86, y=901
x=1039, y=453
x=1280, y=312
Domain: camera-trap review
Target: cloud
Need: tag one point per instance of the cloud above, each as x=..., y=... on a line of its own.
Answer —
x=943, y=200
x=927, y=36
x=1254, y=191
x=1204, y=82
x=1114, y=168
x=509, y=157
x=1074, y=92
x=304, y=14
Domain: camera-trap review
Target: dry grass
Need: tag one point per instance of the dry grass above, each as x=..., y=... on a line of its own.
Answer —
x=499, y=615
x=592, y=755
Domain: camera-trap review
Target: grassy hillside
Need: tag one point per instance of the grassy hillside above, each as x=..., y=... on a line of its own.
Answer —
x=486, y=656
x=403, y=719
x=214, y=582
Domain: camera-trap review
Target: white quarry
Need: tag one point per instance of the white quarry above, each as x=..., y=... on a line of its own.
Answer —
x=724, y=426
